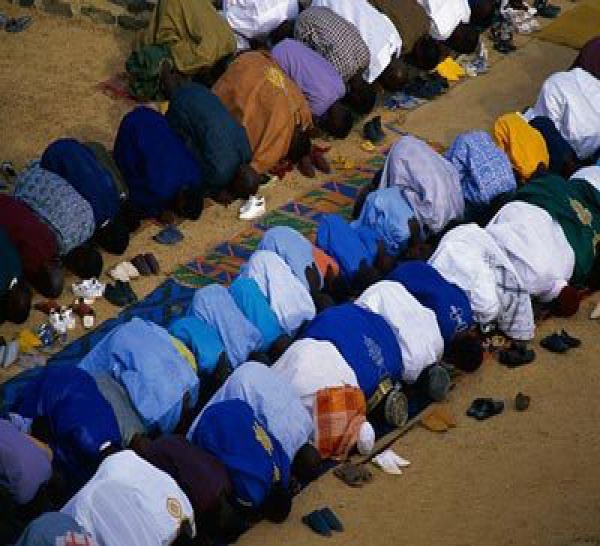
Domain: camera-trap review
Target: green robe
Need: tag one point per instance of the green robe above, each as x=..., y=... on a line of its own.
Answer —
x=575, y=205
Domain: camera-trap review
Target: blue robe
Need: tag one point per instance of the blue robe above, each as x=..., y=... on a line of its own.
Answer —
x=254, y=458
x=81, y=419
x=255, y=307
x=449, y=303
x=78, y=165
x=365, y=340
x=214, y=305
x=200, y=338
x=141, y=356
x=346, y=245
x=154, y=161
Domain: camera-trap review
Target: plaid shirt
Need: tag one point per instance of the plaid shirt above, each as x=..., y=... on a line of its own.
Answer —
x=336, y=39
x=339, y=413
x=75, y=539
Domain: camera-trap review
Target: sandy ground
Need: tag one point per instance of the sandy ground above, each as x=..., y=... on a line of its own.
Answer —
x=517, y=479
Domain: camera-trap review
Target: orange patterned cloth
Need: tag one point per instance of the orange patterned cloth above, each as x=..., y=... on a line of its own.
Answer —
x=339, y=413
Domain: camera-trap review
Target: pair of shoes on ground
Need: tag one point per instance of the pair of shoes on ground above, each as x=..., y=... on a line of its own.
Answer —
x=372, y=130
x=14, y=24
x=484, y=408
x=438, y=418
x=501, y=34
x=560, y=342
x=120, y=294
x=169, y=235
x=62, y=320
x=254, y=208
x=546, y=10
x=516, y=355
x=323, y=521
x=88, y=289
x=142, y=264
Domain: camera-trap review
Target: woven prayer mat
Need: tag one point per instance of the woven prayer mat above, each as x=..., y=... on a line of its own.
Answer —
x=575, y=27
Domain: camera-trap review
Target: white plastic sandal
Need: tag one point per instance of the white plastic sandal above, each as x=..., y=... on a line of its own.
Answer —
x=255, y=209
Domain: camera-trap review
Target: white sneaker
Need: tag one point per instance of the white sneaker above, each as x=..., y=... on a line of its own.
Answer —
x=57, y=322
x=130, y=270
x=255, y=210
x=253, y=201
x=68, y=318
x=119, y=273
x=88, y=289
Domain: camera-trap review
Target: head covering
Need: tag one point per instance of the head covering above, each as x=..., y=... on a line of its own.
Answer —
x=589, y=57
x=139, y=355
x=346, y=245
x=81, y=420
x=217, y=140
x=201, y=476
x=78, y=165
x=254, y=306
x=266, y=103
x=339, y=415
x=214, y=305
x=387, y=212
x=274, y=402
x=448, y=301
x=254, y=458
x=129, y=501
x=154, y=161
x=429, y=182
x=55, y=529
x=129, y=421
x=24, y=467
x=288, y=298
x=371, y=351
x=57, y=203
x=524, y=145
x=34, y=241
x=10, y=263
x=292, y=247
x=485, y=170
x=590, y=175
x=202, y=339
x=558, y=148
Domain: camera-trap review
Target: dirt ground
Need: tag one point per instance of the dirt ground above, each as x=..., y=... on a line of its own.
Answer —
x=529, y=478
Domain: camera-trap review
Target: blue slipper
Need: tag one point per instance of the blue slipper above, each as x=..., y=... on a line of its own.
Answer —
x=332, y=520
x=169, y=235
x=317, y=522
x=18, y=24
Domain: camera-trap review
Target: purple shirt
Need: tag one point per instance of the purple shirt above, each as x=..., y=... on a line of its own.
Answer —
x=316, y=77
x=24, y=467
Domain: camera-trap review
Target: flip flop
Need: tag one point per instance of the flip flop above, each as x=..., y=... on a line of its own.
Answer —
x=331, y=519
x=522, y=402
x=152, y=263
x=555, y=344
x=317, y=523
x=125, y=287
x=169, y=235
x=19, y=24
x=571, y=341
x=353, y=475
x=114, y=294
x=516, y=356
x=484, y=408
x=142, y=265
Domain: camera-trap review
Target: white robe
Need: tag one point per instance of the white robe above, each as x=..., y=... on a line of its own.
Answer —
x=129, y=501
x=536, y=245
x=572, y=101
x=470, y=258
x=430, y=183
x=446, y=15
x=288, y=297
x=310, y=365
x=377, y=31
x=415, y=326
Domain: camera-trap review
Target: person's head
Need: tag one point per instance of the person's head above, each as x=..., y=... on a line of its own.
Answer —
x=338, y=120
x=18, y=303
x=366, y=276
x=84, y=261
x=283, y=31
x=299, y=146
x=245, y=183
x=482, y=12
x=567, y=302
x=114, y=236
x=361, y=96
x=465, y=351
x=395, y=76
x=278, y=504
x=189, y=204
x=306, y=464
x=49, y=280
x=464, y=39
x=170, y=80
x=426, y=53
x=279, y=346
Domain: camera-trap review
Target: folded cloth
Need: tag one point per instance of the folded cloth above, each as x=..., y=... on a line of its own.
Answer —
x=450, y=70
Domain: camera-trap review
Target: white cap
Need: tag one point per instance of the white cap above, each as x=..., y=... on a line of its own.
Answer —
x=366, y=438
